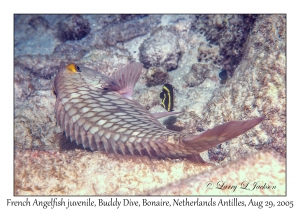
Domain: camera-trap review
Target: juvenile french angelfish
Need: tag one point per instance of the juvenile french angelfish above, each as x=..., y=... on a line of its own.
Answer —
x=167, y=97
x=99, y=112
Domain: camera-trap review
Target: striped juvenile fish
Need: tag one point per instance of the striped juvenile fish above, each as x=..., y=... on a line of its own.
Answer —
x=98, y=112
x=167, y=97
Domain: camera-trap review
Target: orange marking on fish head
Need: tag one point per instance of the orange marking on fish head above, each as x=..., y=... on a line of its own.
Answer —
x=73, y=68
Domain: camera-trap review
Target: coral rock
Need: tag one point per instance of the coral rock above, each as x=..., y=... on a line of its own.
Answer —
x=199, y=72
x=156, y=76
x=229, y=32
x=74, y=27
x=161, y=49
x=257, y=89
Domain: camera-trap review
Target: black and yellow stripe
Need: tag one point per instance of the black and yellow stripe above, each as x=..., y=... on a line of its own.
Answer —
x=167, y=96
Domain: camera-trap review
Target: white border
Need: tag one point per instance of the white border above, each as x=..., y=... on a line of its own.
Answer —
x=154, y=6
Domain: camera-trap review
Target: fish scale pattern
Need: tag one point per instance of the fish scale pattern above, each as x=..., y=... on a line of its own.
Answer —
x=98, y=112
x=105, y=121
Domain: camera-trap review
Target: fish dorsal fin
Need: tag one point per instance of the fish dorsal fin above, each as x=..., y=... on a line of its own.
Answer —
x=158, y=115
x=124, y=80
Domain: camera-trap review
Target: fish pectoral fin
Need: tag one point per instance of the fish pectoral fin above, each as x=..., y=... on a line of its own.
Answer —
x=158, y=115
x=124, y=80
x=219, y=134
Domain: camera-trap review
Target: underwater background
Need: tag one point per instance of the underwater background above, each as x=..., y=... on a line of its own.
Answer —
x=222, y=68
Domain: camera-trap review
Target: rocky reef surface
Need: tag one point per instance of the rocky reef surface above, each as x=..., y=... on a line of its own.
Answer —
x=187, y=51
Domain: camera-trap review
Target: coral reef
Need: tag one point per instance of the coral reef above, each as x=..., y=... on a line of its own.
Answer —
x=156, y=76
x=110, y=35
x=209, y=53
x=196, y=48
x=161, y=49
x=229, y=32
x=41, y=66
x=260, y=92
x=74, y=27
x=199, y=72
x=30, y=28
x=35, y=131
x=148, y=98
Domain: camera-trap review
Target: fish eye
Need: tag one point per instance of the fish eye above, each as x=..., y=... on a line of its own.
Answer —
x=78, y=69
x=73, y=68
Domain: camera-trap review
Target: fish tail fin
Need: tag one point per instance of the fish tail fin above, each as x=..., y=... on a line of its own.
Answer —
x=219, y=134
x=124, y=80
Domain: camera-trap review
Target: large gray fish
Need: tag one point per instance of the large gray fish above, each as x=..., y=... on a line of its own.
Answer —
x=98, y=112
